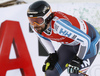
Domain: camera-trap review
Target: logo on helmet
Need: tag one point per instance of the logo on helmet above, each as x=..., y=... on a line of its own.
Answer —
x=45, y=8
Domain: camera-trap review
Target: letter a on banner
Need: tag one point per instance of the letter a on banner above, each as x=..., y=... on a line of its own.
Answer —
x=10, y=33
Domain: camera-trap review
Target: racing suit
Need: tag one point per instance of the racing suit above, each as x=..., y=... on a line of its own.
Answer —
x=77, y=38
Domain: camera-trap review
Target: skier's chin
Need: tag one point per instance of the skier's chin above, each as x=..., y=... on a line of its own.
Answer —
x=40, y=32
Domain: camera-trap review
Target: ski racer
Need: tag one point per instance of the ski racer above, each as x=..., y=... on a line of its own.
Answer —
x=79, y=40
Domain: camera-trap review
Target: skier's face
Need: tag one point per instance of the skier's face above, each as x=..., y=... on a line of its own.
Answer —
x=39, y=28
x=37, y=23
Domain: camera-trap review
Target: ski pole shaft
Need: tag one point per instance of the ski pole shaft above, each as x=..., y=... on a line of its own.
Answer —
x=82, y=73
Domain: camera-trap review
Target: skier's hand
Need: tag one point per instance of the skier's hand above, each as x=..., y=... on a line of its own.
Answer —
x=74, y=65
x=50, y=62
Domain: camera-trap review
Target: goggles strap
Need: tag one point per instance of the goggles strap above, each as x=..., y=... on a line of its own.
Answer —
x=48, y=13
x=48, y=19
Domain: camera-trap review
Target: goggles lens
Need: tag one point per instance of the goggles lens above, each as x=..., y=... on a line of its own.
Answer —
x=36, y=20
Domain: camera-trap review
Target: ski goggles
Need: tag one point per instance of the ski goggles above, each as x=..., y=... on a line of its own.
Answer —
x=36, y=20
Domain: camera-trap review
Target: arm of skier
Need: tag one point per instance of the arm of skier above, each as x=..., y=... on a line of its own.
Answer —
x=47, y=44
x=84, y=46
x=74, y=33
x=53, y=57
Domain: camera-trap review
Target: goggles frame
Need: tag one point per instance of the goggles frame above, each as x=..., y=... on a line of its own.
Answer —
x=36, y=22
x=44, y=18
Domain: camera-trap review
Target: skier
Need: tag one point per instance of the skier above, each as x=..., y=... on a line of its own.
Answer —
x=79, y=40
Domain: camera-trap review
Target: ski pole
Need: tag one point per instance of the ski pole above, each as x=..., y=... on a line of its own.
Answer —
x=79, y=70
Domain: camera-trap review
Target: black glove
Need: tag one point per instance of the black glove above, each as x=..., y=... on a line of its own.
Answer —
x=74, y=65
x=50, y=62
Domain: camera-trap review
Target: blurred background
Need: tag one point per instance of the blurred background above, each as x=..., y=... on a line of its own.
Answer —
x=4, y=3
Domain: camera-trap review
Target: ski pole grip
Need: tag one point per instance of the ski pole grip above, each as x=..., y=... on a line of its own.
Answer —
x=66, y=65
x=47, y=65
